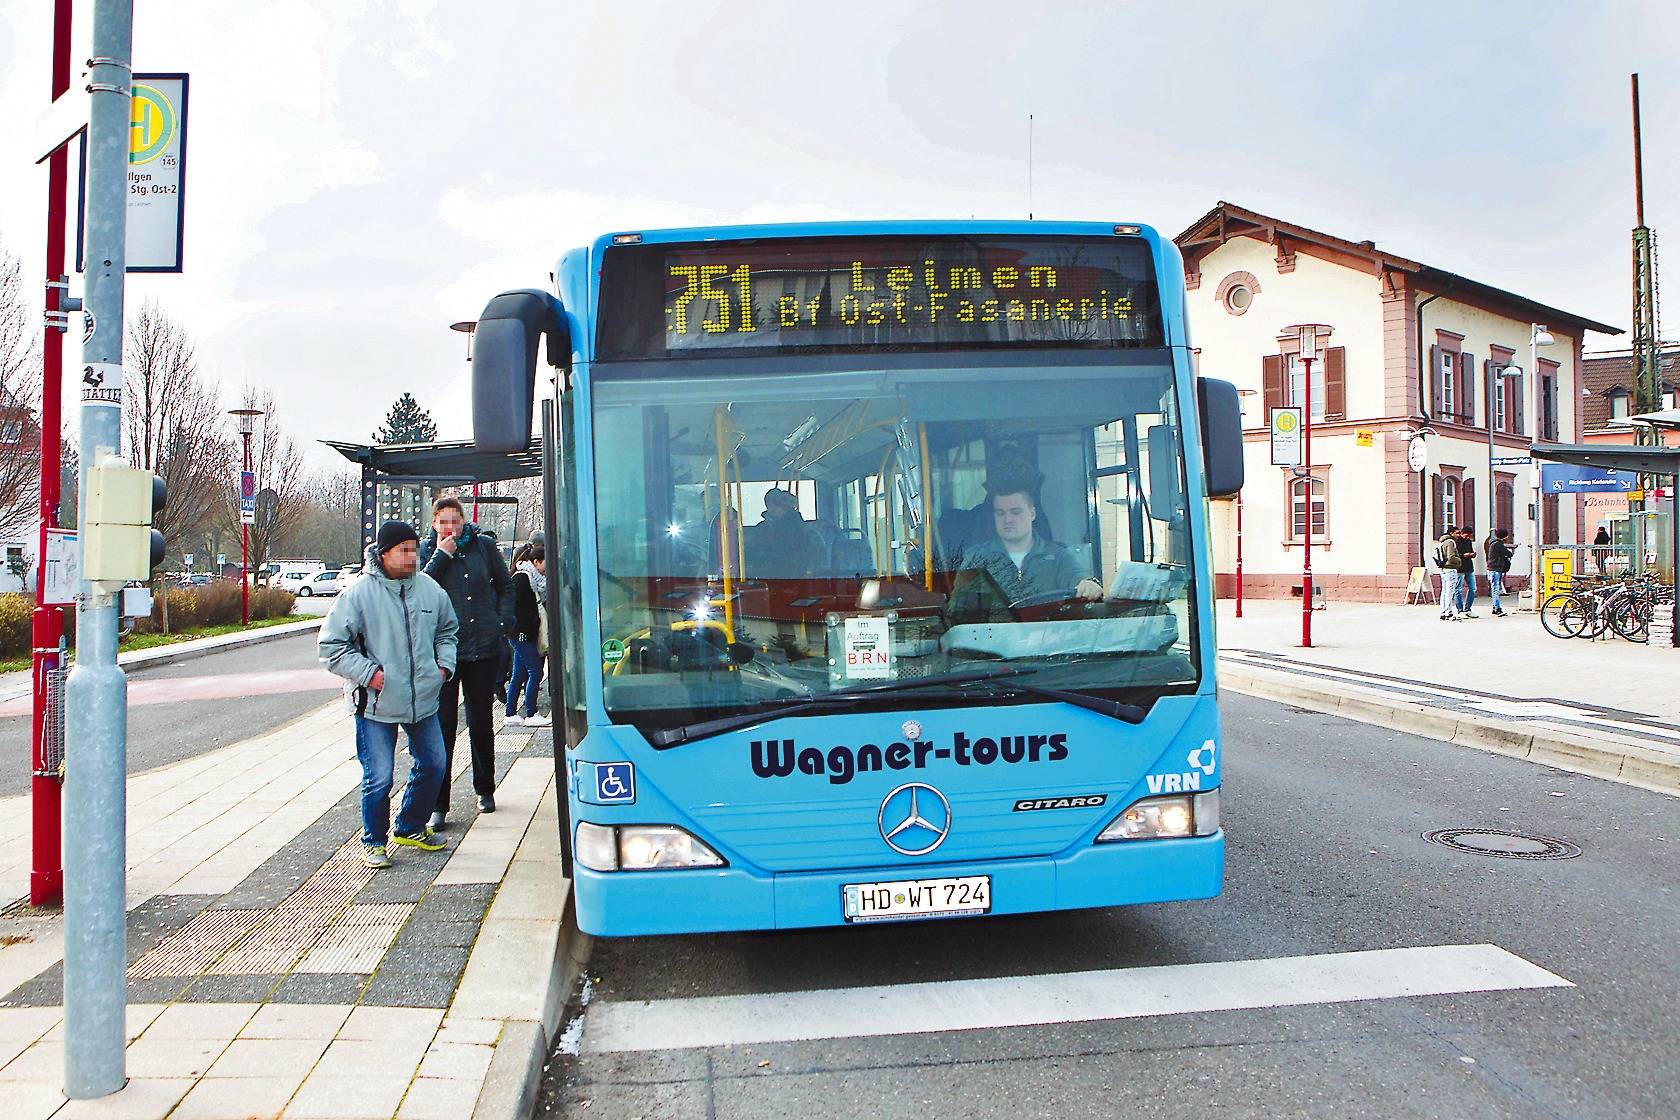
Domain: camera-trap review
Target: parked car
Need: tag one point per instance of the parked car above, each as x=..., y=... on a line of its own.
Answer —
x=347, y=575
x=321, y=583
x=290, y=575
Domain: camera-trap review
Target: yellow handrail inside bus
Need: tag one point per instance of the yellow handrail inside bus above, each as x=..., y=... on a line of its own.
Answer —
x=927, y=511
x=723, y=522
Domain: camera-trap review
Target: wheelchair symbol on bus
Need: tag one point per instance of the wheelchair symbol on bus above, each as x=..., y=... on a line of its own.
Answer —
x=615, y=782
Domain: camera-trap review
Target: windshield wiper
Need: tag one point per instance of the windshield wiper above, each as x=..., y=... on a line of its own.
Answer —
x=668, y=737
x=1114, y=709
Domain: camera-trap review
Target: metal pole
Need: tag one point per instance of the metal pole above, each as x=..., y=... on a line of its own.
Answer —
x=46, y=872
x=1532, y=392
x=95, y=808
x=1306, y=550
x=1239, y=553
x=245, y=547
x=1492, y=374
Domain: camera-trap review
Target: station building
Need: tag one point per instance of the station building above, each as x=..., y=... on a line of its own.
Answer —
x=1373, y=518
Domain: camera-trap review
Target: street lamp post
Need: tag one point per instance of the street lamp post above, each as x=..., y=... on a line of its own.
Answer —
x=1538, y=336
x=247, y=418
x=1307, y=335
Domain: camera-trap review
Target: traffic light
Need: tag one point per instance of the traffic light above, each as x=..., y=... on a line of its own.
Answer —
x=118, y=541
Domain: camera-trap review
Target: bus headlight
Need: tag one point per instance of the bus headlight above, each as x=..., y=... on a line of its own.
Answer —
x=640, y=847
x=1165, y=818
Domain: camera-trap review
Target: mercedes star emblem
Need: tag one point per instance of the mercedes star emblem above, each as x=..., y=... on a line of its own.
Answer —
x=919, y=816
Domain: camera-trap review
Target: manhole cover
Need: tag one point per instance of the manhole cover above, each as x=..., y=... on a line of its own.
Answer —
x=1497, y=842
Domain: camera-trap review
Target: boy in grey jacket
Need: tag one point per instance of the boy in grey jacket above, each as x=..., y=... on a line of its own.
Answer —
x=391, y=635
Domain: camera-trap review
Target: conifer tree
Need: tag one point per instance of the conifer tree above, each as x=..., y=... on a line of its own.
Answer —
x=407, y=422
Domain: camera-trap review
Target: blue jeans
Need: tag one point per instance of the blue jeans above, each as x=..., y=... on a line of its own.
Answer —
x=1496, y=588
x=376, y=749
x=1451, y=580
x=527, y=672
x=1466, y=590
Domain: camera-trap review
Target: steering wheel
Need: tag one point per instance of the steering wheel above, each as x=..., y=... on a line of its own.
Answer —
x=1046, y=598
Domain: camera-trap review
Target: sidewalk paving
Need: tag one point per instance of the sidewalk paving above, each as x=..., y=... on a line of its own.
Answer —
x=1607, y=708
x=271, y=973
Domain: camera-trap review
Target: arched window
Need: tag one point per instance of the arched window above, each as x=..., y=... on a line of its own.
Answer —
x=1299, y=490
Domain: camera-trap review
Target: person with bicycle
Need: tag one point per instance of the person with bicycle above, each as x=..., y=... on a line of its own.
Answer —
x=1498, y=550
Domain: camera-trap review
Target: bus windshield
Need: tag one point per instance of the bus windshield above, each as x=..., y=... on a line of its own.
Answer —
x=769, y=532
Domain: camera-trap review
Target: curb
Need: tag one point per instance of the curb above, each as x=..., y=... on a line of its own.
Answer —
x=1617, y=760
x=526, y=966
x=188, y=650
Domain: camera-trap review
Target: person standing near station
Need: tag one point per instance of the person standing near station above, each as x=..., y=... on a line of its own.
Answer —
x=530, y=640
x=392, y=636
x=1446, y=559
x=1466, y=572
x=1499, y=554
x=466, y=563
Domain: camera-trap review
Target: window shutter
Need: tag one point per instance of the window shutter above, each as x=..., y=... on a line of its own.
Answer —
x=1438, y=487
x=1271, y=381
x=1514, y=394
x=1435, y=381
x=1467, y=504
x=1467, y=388
x=1335, y=383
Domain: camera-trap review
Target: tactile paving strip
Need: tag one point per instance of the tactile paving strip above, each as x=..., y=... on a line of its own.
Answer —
x=277, y=942
x=358, y=940
x=197, y=945
x=334, y=883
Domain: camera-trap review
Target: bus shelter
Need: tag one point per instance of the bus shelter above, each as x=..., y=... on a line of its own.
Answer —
x=399, y=481
x=1643, y=460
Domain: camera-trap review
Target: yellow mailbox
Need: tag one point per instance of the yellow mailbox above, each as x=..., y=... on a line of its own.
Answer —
x=1557, y=571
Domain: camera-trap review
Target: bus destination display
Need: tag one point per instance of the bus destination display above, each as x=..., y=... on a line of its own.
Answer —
x=834, y=294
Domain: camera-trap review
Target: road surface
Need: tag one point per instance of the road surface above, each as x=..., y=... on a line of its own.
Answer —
x=1327, y=869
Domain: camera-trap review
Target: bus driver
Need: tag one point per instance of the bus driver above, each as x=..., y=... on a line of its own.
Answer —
x=1016, y=564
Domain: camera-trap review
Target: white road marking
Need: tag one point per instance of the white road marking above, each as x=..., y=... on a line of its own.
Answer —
x=1126, y=993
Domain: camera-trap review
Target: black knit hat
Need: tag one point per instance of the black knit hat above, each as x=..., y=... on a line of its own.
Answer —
x=393, y=533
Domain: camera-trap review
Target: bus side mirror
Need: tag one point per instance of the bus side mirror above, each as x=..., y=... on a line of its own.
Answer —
x=1222, y=439
x=504, y=362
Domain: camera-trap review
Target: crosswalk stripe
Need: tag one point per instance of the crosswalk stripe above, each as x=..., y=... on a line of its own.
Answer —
x=1125, y=993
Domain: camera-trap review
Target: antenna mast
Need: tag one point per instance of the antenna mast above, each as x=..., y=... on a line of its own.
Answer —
x=1647, y=339
x=1029, y=167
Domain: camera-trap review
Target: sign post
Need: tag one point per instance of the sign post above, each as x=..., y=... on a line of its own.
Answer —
x=96, y=693
x=1307, y=337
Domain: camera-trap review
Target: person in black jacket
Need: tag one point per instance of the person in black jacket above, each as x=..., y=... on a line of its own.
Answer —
x=530, y=585
x=467, y=564
x=1498, y=548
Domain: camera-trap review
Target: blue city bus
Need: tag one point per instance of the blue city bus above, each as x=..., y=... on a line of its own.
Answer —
x=880, y=577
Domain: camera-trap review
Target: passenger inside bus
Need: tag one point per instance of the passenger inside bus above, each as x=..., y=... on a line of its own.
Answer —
x=783, y=545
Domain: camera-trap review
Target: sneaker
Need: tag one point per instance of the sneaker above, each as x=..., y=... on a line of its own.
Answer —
x=437, y=823
x=426, y=841
x=1449, y=618
x=1468, y=614
x=514, y=720
x=374, y=855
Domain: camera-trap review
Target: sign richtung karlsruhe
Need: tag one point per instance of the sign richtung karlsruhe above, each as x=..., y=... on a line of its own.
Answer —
x=1570, y=478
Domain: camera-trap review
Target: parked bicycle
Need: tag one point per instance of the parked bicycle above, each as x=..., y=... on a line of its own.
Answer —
x=1588, y=610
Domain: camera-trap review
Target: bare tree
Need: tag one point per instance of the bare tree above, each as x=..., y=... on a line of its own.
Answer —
x=278, y=464
x=175, y=425
x=20, y=395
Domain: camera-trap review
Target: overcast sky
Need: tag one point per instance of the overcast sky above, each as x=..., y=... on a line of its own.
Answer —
x=362, y=174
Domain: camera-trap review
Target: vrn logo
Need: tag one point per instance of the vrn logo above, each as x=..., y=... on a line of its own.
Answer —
x=1202, y=762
